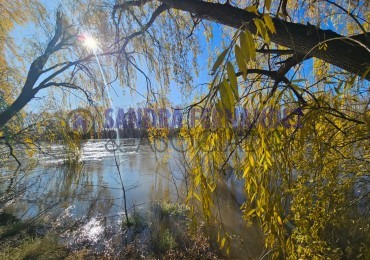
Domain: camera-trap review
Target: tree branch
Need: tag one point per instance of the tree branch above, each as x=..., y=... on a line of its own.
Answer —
x=346, y=55
x=274, y=51
x=156, y=13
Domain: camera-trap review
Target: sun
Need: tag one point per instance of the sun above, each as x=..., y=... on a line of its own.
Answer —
x=89, y=42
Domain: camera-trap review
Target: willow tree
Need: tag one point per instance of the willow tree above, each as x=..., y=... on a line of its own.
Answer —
x=13, y=14
x=305, y=171
x=308, y=58
x=51, y=64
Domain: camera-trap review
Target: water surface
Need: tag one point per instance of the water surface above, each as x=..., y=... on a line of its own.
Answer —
x=88, y=196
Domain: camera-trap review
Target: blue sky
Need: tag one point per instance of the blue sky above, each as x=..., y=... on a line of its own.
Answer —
x=124, y=98
x=121, y=95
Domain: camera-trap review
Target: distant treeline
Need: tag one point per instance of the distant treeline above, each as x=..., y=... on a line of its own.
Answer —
x=123, y=133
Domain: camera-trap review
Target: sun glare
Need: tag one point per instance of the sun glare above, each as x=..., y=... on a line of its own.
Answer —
x=90, y=43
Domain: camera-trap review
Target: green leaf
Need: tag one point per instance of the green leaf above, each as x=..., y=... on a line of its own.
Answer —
x=282, y=15
x=219, y=61
x=224, y=95
x=232, y=78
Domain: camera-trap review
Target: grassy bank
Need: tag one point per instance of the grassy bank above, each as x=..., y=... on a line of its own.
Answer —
x=161, y=233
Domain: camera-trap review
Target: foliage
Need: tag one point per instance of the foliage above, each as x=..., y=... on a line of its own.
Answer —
x=55, y=59
x=172, y=209
x=301, y=170
x=305, y=173
x=164, y=233
x=35, y=248
x=136, y=221
x=19, y=240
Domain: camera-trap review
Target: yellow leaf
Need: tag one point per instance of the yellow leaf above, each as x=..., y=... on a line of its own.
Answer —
x=268, y=4
x=251, y=160
x=246, y=171
x=249, y=213
x=250, y=42
x=252, y=9
x=223, y=243
x=269, y=23
x=261, y=28
x=219, y=61
x=365, y=73
x=253, y=196
x=232, y=78
x=28, y=140
x=244, y=45
x=196, y=196
x=197, y=180
x=227, y=97
x=279, y=220
x=240, y=60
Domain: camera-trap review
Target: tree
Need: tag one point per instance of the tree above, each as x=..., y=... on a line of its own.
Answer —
x=64, y=64
x=12, y=13
x=302, y=171
x=350, y=53
x=63, y=38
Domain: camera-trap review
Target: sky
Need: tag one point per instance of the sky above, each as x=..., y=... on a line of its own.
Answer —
x=121, y=95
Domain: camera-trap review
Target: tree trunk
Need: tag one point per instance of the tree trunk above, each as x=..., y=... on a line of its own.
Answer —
x=34, y=73
x=16, y=106
x=349, y=53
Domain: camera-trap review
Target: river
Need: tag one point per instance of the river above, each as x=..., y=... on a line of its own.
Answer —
x=90, y=193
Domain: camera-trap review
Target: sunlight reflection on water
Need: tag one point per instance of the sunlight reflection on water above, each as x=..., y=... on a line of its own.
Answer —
x=88, y=197
x=92, y=230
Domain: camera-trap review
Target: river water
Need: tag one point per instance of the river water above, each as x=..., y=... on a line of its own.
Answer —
x=90, y=193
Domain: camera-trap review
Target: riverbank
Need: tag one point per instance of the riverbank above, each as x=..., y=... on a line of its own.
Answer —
x=161, y=233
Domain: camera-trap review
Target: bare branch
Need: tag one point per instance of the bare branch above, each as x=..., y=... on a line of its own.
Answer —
x=11, y=153
x=156, y=13
x=128, y=4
